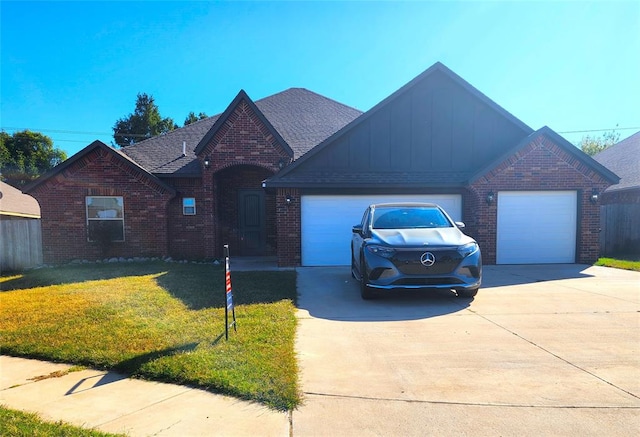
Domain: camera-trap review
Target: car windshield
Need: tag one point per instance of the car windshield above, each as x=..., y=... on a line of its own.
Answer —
x=409, y=218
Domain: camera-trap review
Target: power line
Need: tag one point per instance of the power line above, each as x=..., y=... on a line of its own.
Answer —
x=72, y=132
x=13, y=128
x=55, y=131
x=597, y=130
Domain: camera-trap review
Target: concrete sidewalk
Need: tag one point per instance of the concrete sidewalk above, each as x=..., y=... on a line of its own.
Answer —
x=111, y=402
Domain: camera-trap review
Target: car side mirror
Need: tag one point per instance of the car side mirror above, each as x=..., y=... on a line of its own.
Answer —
x=357, y=229
x=460, y=225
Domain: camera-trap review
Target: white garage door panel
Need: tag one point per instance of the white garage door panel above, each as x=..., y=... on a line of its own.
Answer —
x=536, y=227
x=327, y=222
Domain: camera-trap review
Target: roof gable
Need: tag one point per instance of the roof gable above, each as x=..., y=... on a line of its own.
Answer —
x=559, y=141
x=623, y=158
x=99, y=145
x=437, y=129
x=223, y=119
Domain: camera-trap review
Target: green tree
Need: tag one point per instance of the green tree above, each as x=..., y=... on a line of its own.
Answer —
x=25, y=155
x=593, y=145
x=192, y=117
x=145, y=122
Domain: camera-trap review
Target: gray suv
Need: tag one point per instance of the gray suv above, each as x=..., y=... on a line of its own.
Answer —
x=413, y=246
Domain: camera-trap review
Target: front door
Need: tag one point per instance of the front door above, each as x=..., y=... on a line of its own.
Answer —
x=251, y=222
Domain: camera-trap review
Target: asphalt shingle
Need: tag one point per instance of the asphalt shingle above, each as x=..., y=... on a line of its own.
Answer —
x=623, y=159
x=303, y=119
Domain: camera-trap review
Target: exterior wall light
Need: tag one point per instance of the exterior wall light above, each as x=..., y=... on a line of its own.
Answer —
x=594, y=196
x=288, y=199
x=490, y=198
x=207, y=162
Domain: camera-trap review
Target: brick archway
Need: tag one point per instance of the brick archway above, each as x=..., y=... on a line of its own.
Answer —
x=241, y=233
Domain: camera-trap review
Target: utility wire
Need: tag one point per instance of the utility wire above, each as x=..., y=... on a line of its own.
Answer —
x=597, y=130
x=73, y=132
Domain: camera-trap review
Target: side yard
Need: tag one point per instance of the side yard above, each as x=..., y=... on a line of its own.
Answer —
x=620, y=263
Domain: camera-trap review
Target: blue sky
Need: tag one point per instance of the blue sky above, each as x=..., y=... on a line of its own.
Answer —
x=71, y=69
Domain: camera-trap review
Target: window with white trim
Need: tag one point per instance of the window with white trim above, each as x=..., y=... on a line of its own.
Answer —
x=105, y=218
x=189, y=206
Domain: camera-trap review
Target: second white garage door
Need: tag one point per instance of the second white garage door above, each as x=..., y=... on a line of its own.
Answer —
x=536, y=227
x=327, y=221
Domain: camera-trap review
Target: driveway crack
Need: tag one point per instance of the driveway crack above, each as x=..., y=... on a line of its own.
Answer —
x=476, y=404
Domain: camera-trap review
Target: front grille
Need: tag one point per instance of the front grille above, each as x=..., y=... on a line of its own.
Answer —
x=408, y=261
x=428, y=281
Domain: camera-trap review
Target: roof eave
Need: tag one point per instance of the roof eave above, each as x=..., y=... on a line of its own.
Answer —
x=385, y=185
x=20, y=214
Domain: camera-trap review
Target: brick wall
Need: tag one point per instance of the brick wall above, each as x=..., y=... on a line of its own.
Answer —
x=540, y=165
x=101, y=173
x=289, y=227
x=186, y=231
x=243, y=152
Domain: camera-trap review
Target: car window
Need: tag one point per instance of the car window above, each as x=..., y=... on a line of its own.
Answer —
x=409, y=218
x=365, y=221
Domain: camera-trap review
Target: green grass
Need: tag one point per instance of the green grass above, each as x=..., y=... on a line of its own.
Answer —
x=18, y=424
x=626, y=264
x=160, y=321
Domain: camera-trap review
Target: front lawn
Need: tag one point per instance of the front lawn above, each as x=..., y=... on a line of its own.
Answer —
x=162, y=321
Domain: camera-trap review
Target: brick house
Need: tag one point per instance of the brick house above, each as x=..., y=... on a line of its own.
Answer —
x=288, y=175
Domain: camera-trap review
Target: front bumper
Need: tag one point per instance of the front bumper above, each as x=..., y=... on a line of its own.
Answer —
x=408, y=273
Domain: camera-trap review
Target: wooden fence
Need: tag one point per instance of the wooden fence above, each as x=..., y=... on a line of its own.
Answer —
x=20, y=244
x=620, y=234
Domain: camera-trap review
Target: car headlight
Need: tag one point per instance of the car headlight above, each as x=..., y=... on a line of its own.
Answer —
x=385, y=252
x=468, y=249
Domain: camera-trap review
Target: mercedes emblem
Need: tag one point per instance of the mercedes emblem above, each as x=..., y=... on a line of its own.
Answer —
x=428, y=259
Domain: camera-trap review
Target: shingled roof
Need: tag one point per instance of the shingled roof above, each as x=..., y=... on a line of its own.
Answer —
x=302, y=118
x=14, y=203
x=623, y=159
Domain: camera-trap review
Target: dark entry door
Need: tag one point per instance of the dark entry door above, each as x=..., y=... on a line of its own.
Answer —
x=251, y=222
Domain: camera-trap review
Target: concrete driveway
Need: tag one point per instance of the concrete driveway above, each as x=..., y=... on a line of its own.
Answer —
x=542, y=350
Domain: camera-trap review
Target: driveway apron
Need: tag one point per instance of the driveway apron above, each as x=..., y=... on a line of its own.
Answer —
x=542, y=350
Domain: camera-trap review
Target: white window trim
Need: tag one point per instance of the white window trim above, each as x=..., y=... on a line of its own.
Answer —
x=93, y=219
x=184, y=207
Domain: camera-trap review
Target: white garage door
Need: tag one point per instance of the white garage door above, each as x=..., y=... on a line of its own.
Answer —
x=327, y=222
x=536, y=227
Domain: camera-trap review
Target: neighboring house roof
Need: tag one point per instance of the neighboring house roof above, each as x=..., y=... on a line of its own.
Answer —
x=301, y=117
x=623, y=158
x=97, y=145
x=14, y=203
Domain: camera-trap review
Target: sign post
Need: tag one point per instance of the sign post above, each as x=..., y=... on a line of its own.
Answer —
x=228, y=296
